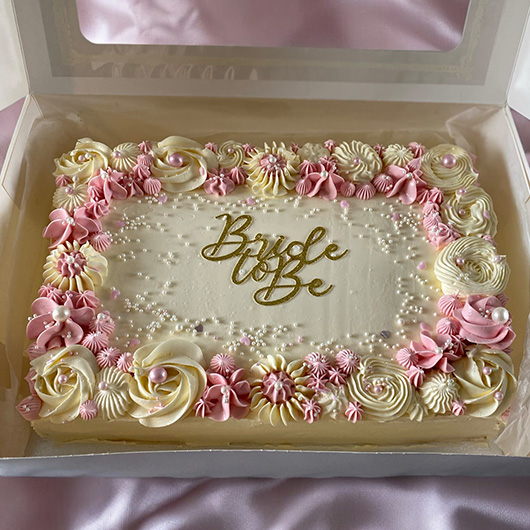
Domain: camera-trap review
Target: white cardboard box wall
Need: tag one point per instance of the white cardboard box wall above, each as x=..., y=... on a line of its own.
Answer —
x=59, y=60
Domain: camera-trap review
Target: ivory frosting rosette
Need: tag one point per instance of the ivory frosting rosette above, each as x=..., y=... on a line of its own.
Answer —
x=64, y=379
x=312, y=152
x=231, y=154
x=471, y=265
x=397, y=155
x=74, y=267
x=439, y=391
x=471, y=213
x=448, y=167
x=382, y=388
x=273, y=170
x=486, y=380
x=278, y=390
x=71, y=196
x=124, y=156
x=181, y=164
x=84, y=161
x=168, y=379
x=112, y=393
x=357, y=161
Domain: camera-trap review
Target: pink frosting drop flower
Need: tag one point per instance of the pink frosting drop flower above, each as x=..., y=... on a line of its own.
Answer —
x=278, y=387
x=383, y=183
x=223, y=364
x=306, y=167
x=100, y=241
x=449, y=303
x=53, y=293
x=295, y=147
x=406, y=357
x=95, y=341
x=429, y=209
x=145, y=146
x=152, y=186
x=303, y=186
x=416, y=149
x=133, y=186
x=432, y=220
x=318, y=363
x=484, y=320
x=88, y=410
x=379, y=149
x=84, y=299
x=34, y=351
x=311, y=410
x=330, y=145
x=238, y=176
x=145, y=160
x=227, y=396
x=434, y=195
x=70, y=227
x=62, y=180
x=140, y=172
x=347, y=189
x=447, y=326
x=347, y=361
x=203, y=408
x=217, y=185
x=103, y=322
x=55, y=325
x=29, y=408
x=211, y=146
x=317, y=383
x=109, y=184
x=441, y=235
x=125, y=362
x=336, y=377
x=416, y=375
x=437, y=351
x=249, y=149
x=354, y=411
x=30, y=380
x=407, y=181
x=458, y=408
x=108, y=357
x=365, y=191
x=97, y=209
x=325, y=183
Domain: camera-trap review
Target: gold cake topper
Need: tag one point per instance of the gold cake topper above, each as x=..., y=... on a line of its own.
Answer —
x=276, y=260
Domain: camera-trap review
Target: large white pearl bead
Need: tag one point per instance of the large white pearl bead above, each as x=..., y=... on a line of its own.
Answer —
x=500, y=315
x=61, y=313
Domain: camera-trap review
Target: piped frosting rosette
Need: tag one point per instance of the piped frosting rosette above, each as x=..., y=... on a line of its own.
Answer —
x=272, y=171
x=278, y=390
x=471, y=213
x=168, y=379
x=448, y=167
x=357, y=161
x=84, y=161
x=438, y=392
x=112, y=392
x=397, y=155
x=231, y=154
x=64, y=379
x=471, y=265
x=123, y=157
x=382, y=388
x=312, y=152
x=181, y=164
x=486, y=381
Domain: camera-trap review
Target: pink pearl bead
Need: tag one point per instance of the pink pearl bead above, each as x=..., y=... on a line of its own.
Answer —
x=459, y=261
x=462, y=191
x=356, y=160
x=461, y=211
x=62, y=379
x=378, y=389
x=499, y=396
x=103, y=385
x=449, y=161
x=116, y=154
x=158, y=375
x=486, y=370
x=68, y=190
x=176, y=160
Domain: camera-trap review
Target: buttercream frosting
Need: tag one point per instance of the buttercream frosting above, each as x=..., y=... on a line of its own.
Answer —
x=112, y=393
x=397, y=155
x=439, y=391
x=357, y=161
x=124, y=156
x=231, y=154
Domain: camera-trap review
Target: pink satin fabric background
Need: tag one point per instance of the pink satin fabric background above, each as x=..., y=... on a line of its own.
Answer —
x=423, y=503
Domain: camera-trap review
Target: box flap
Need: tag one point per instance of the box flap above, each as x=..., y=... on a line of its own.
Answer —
x=519, y=92
x=61, y=60
x=14, y=82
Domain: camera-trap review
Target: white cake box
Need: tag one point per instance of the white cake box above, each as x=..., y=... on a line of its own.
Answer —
x=75, y=88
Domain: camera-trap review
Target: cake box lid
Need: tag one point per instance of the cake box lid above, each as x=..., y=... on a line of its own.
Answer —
x=54, y=57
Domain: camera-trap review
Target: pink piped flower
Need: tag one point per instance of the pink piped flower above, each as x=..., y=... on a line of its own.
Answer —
x=152, y=186
x=125, y=362
x=202, y=408
x=62, y=180
x=311, y=410
x=365, y=191
x=100, y=241
x=295, y=147
x=336, y=377
x=88, y=410
x=325, y=183
x=85, y=299
x=70, y=227
x=434, y=195
x=29, y=408
x=30, y=379
x=306, y=167
x=133, y=187
x=107, y=185
x=441, y=235
x=347, y=189
x=103, y=322
x=448, y=326
x=211, y=146
x=278, y=387
x=449, y=303
x=141, y=172
x=238, y=176
x=317, y=363
x=145, y=146
x=437, y=351
x=406, y=181
x=145, y=160
x=458, y=408
x=406, y=357
x=418, y=150
x=479, y=325
x=53, y=293
x=347, y=361
x=95, y=341
x=57, y=325
x=34, y=351
x=330, y=145
x=249, y=149
x=431, y=209
x=108, y=357
x=223, y=364
x=228, y=397
x=379, y=149
x=416, y=375
x=303, y=186
x=97, y=209
x=317, y=383
x=354, y=411
x=383, y=183
x=219, y=186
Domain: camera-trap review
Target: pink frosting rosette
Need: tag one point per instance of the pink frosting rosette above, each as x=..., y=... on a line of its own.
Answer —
x=218, y=185
x=70, y=227
x=484, y=320
x=57, y=325
x=227, y=396
x=441, y=235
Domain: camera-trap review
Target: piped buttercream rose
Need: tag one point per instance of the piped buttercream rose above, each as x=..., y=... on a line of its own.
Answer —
x=168, y=379
x=471, y=265
x=381, y=387
x=486, y=380
x=484, y=320
x=471, y=213
x=181, y=164
x=64, y=379
x=448, y=167
x=84, y=161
